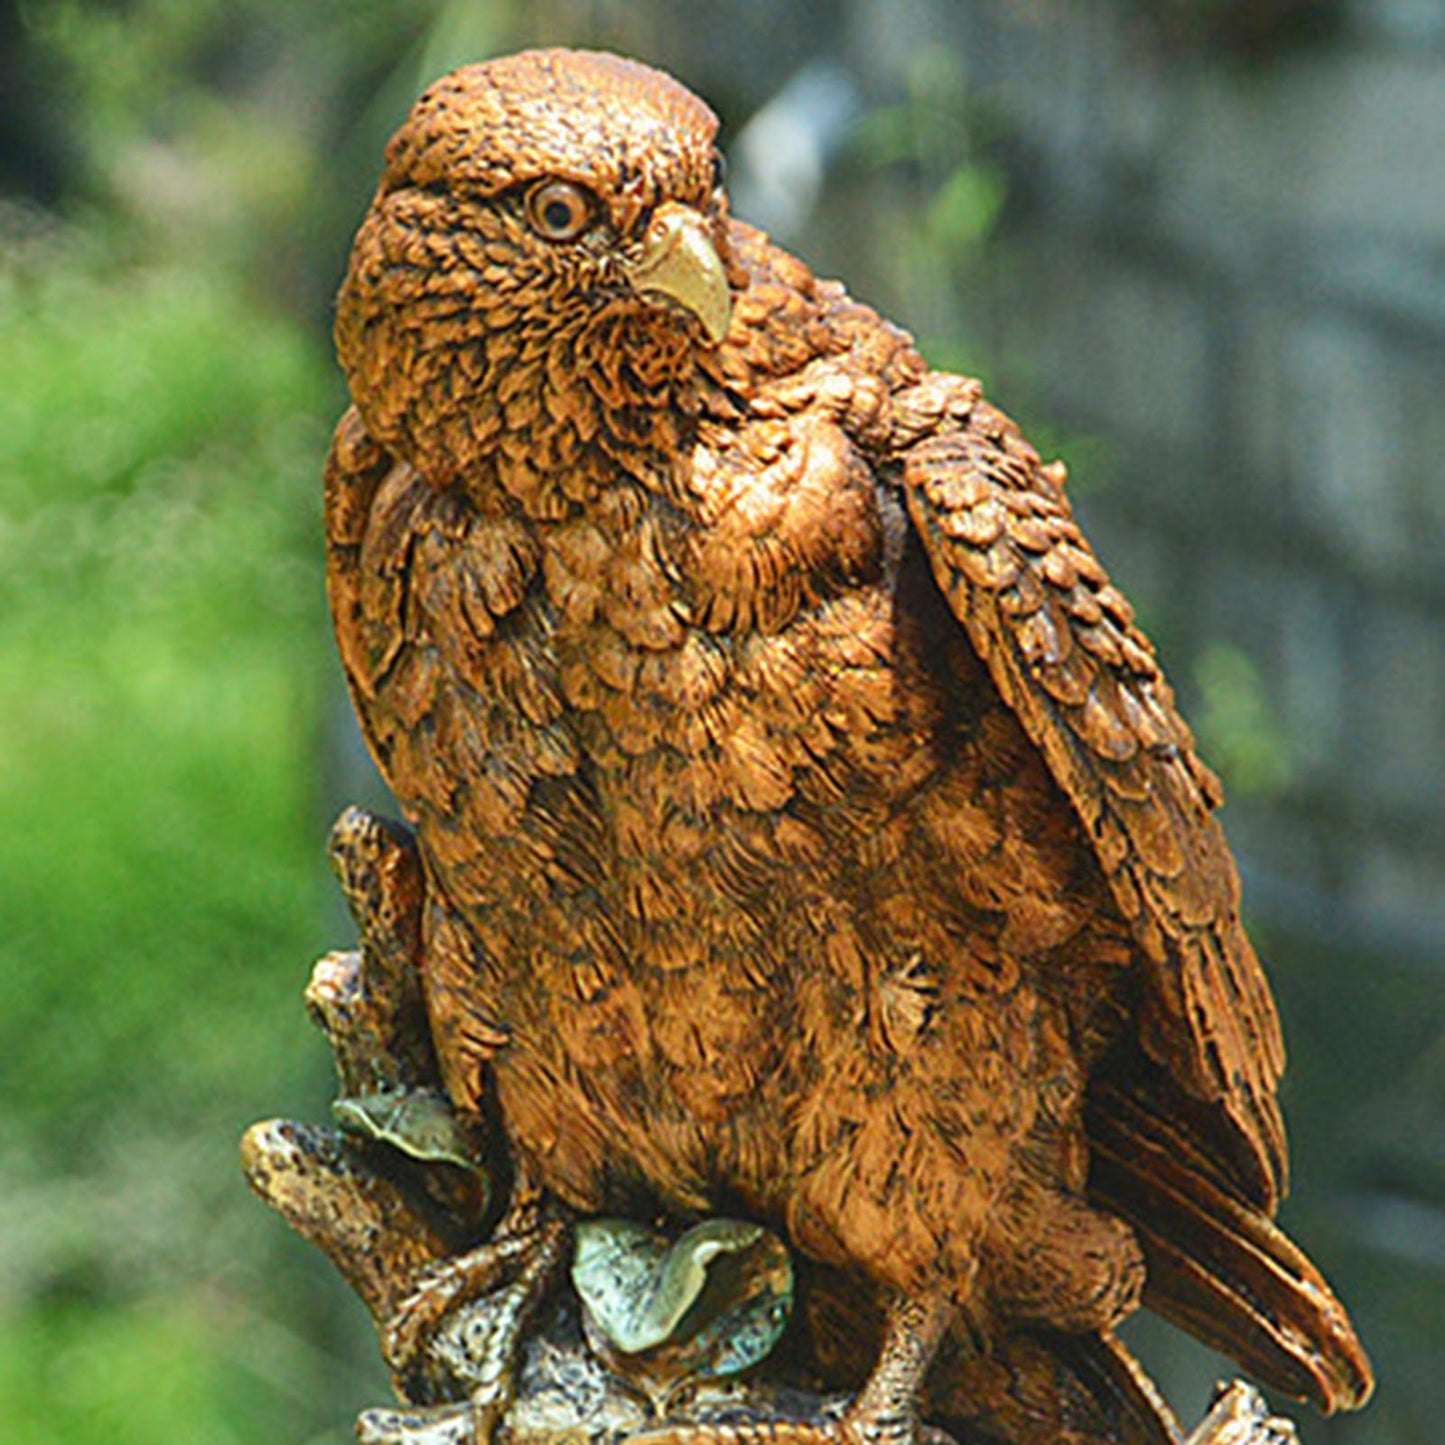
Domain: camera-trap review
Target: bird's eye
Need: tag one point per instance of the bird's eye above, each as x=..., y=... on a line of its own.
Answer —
x=559, y=210
x=719, y=171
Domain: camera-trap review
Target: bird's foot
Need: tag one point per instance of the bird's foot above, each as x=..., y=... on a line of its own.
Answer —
x=884, y=1412
x=485, y=1297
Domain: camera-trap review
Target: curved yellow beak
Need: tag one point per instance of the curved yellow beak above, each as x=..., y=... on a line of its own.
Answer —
x=679, y=261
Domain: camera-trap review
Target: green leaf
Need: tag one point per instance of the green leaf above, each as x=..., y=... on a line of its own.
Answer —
x=419, y=1122
x=966, y=207
x=724, y=1288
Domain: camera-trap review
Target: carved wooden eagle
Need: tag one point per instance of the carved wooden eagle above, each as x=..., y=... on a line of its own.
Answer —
x=809, y=829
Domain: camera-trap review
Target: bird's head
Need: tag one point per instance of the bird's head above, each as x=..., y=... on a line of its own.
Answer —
x=546, y=254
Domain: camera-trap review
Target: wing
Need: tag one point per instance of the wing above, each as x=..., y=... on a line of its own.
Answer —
x=1061, y=646
x=355, y=471
x=394, y=672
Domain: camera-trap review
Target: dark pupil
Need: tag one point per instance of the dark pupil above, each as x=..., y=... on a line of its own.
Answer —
x=558, y=215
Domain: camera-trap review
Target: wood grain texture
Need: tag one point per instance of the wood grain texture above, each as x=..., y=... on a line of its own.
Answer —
x=809, y=830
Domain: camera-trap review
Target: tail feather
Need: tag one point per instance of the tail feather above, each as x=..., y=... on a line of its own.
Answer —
x=1120, y=1385
x=1218, y=1266
x=1049, y=1388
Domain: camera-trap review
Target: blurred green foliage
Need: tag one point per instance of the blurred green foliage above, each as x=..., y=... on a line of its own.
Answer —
x=129, y=1377
x=1237, y=724
x=158, y=591
x=161, y=647
x=929, y=149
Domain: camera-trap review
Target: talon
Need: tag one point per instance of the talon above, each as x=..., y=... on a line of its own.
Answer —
x=442, y=1289
x=882, y=1413
x=512, y=1273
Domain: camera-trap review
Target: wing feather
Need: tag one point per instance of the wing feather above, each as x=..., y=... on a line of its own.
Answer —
x=1063, y=649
